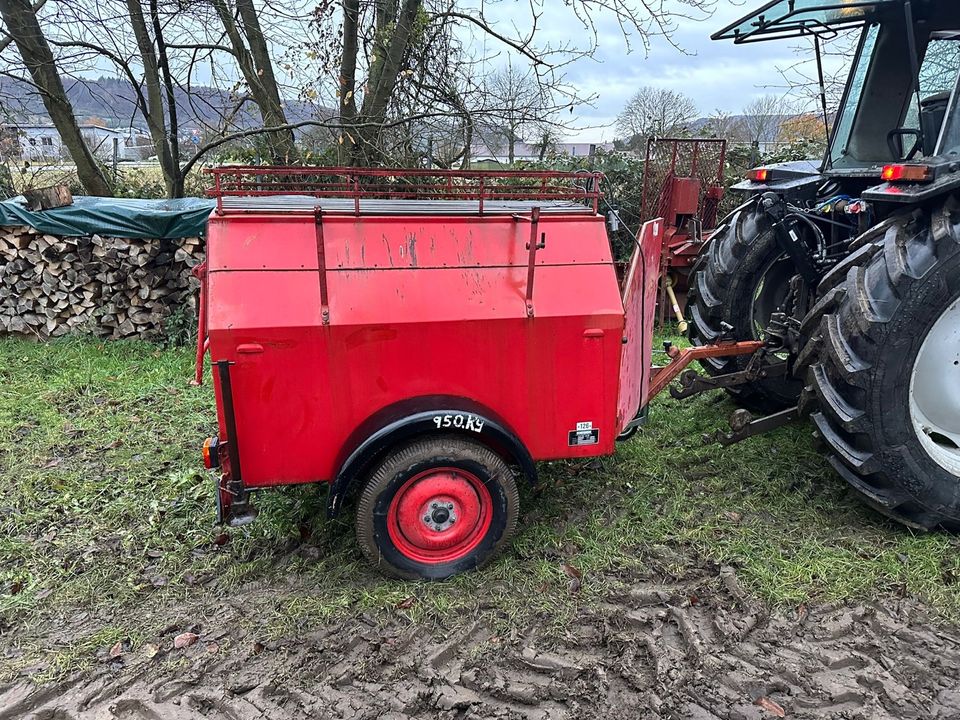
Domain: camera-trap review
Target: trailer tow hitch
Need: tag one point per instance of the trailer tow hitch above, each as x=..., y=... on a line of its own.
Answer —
x=781, y=336
x=693, y=383
x=771, y=358
x=743, y=426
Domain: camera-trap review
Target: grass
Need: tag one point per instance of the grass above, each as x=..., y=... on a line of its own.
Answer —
x=103, y=509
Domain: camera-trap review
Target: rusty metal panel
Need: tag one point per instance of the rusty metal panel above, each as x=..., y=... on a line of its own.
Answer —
x=639, y=302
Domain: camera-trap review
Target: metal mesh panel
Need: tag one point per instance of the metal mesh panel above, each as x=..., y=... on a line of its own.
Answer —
x=668, y=158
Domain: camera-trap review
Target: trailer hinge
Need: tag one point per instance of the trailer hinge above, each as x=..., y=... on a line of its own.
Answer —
x=322, y=268
x=533, y=244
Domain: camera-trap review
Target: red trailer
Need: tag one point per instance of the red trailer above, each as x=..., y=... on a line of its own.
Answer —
x=418, y=340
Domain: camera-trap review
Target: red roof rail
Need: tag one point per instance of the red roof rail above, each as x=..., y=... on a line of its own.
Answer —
x=405, y=184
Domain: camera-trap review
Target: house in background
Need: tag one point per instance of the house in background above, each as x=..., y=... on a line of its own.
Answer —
x=41, y=142
x=132, y=143
x=495, y=151
x=31, y=142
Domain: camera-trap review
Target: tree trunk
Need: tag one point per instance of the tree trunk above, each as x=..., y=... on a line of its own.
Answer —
x=348, y=69
x=383, y=79
x=467, y=141
x=173, y=126
x=154, y=111
x=253, y=57
x=23, y=26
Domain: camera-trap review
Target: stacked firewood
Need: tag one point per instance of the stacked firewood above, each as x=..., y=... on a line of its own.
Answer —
x=110, y=287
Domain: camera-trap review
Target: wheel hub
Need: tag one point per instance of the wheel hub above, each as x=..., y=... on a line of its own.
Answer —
x=440, y=515
x=935, y=391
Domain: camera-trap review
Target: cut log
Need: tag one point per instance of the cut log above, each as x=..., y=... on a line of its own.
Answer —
x=48, y=197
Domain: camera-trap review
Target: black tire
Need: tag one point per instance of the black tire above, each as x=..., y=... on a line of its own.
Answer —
x=864, y=336
x=739, y=280
x=381, y=535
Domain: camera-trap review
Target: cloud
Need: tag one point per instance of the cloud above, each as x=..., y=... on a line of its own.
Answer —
x=718, y=75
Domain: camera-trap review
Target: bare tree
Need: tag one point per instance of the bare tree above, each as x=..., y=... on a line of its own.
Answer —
x=391, y=69
x=23, y=26
x=249, y=48
x=761, y=119
x=656, y=112
x=156, y=100
x=801, y=83
x=721, y=124
x=385, y=53
x=524, y=106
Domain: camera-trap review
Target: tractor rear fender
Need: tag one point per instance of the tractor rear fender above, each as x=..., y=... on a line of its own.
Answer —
x=402, y=423
x=793, y=180
x=945, y=180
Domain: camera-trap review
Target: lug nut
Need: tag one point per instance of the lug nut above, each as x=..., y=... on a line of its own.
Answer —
x=433, y=505
x=426, y=518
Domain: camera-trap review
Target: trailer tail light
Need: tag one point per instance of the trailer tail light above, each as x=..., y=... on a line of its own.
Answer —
x=211, y=456
x=759, y=175
x=907, y=173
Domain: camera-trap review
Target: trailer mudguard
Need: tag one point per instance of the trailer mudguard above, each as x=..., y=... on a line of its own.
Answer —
x=454, y=416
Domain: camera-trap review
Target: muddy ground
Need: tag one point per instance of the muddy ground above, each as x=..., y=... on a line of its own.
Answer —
x=697, y=647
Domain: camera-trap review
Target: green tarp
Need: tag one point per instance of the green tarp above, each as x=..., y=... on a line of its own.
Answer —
x=114, y=217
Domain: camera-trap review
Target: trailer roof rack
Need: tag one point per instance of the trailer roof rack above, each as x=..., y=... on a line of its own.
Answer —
x=797, y=18
x=380, y=191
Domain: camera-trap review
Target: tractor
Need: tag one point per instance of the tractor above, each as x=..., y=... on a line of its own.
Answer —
x=853, y=264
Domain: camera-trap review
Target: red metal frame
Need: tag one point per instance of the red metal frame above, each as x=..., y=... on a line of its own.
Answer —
x=380, y=183
x=203, y=342
x=657, y=195
x=661, y=377
x=683, y=184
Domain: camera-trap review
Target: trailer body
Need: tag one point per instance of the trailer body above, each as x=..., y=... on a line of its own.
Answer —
x=343, y=322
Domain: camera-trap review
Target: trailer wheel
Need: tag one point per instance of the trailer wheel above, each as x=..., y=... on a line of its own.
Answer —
x=436, y=508
x=884, y=368
x=739, y=281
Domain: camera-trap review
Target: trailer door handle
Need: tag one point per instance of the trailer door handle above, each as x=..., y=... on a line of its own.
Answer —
x=593, y=333
x=250, y=348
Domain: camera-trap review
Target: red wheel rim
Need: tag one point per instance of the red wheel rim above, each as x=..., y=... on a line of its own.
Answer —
x=439, y=515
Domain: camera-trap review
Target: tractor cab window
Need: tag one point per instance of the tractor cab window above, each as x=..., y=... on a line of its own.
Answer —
x=852, y=96
x=885, y=116
x=938, y=77
x=949, y=142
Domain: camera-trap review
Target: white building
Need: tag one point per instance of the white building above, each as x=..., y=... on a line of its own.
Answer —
x=41, y=142
x=32, y=142
x=496, y=150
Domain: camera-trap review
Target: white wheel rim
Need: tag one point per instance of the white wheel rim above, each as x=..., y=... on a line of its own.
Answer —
x=935, y=391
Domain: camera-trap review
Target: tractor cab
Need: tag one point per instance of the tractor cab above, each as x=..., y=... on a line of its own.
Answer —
x=899, y=102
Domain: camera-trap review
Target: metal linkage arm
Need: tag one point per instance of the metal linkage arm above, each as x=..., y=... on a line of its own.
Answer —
x=661, y=377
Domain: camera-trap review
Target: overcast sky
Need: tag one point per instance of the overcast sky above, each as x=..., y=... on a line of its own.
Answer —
x=718, y=75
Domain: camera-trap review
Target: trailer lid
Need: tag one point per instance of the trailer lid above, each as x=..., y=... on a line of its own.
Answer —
x=797, y=18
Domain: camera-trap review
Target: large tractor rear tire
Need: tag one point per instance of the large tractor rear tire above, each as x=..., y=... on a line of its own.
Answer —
x=739, y=281
x=883, y=367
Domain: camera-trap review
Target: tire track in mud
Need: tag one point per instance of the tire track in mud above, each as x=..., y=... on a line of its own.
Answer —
x=699, y=649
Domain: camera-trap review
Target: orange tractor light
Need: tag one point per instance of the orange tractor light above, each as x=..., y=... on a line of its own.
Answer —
x=906, y=173
x=758, y=175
